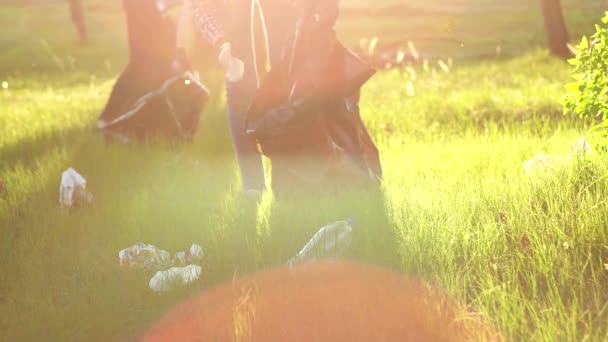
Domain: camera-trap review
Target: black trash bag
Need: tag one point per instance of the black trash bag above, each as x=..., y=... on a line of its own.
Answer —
x=305, y=116
x=351, y=136
x=151, y=97
x=171, y=111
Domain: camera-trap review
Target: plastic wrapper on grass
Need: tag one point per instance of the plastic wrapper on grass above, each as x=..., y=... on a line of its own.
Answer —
x=143, y=257
x=72, y=190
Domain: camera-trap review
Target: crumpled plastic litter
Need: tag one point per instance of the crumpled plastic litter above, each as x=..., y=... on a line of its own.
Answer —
x=582, y=146
x=174, y=277
x=192, y=255
x=331, y=241
x=72, y=190
x=545, y=162
x=143, y=257
x=542, y=161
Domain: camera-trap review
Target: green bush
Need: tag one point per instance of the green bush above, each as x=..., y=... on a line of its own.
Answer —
x=587, y=96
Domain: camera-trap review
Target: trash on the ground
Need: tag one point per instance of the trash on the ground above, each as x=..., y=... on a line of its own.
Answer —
x=331, y=241
x=174, y=277
x=192, y=255
x=543, y=162
x=73, y=189
x=143, y=257
x=582, y=146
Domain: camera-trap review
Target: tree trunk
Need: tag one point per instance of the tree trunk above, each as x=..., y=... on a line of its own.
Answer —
x=555, y=27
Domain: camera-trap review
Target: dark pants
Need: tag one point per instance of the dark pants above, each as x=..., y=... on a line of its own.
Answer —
x=151, y=39
x=240, y=94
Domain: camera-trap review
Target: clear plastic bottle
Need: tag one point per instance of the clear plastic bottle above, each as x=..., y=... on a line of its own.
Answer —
x=331, y=241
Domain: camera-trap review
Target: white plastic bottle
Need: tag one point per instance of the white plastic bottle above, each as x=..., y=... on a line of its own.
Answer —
x=331, y=241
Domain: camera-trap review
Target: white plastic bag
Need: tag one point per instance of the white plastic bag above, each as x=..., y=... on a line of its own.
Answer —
x=72, y=190
x=164, y=281
x=544, y=162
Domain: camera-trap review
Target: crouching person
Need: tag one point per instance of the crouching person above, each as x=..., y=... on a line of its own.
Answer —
x=156, y=95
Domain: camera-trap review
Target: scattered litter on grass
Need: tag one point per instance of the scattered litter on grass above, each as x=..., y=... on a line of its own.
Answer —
x=582, y=146
x=192, y=255
x=73, y=189
x=143, y=257
x=331, y=241
x=544, y=162
x=174, y=277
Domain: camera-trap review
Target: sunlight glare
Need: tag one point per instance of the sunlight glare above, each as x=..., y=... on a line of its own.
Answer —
x=413, y=50
x=400, y=56
x=372, y=45
x=443, y=66
x=409, y=88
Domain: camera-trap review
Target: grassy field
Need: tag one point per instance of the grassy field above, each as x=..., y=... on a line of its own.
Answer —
x=30, y=40
x=529, y=255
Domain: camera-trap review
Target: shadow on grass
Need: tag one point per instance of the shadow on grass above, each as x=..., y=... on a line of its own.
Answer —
x=31, y=149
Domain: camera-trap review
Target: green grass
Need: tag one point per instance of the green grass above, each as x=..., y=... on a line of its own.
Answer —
x=456, y=208
x=31, y=42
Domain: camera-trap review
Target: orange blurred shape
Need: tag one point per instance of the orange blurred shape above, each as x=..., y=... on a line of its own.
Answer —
x=326, y=301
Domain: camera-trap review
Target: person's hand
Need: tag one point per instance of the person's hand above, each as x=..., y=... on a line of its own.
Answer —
x=233, y=67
